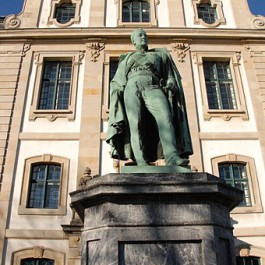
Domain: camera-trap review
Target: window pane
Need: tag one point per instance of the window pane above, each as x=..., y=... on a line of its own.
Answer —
x=32, y=261
x=219, y=85
x=207, y=13
x=235, y=174
x=248, y=260
x=55, y=88
x=65, y=12
x=136, y=11
x=44, y=186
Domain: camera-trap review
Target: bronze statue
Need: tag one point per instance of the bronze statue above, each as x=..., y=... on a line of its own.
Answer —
x=147, y=107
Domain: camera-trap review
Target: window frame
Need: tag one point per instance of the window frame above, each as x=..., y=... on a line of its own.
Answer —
x=62, y=200
x=105, y=106
x=45, y=183
x=53, y=114
x=217, y=4
x=209, y=7
x=52, y=20
x=153, y=16
x=38, y=252
x=256, y=205
x=233, y=180
x=234, y=59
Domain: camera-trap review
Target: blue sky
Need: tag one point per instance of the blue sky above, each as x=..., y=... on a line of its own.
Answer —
x=257, y=7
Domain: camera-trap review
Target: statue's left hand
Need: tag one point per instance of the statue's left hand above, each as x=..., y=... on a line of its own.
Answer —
x=170, y=85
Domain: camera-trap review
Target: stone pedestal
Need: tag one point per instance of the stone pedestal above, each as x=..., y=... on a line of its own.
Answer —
x=170, y=219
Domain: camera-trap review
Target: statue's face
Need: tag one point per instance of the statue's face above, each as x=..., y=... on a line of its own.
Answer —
x=140, y=40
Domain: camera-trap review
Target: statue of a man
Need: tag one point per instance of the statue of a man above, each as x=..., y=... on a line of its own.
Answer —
x=147, y=108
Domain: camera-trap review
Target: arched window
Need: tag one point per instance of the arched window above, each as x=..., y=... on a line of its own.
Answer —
x=235, y=174
x=65, y=12
x=207, y=13
x=44, y=186
x=136, y=11
x=239, y=171
x=32, y=261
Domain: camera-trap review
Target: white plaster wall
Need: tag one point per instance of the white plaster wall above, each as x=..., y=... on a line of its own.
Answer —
x=189, y=15
x=163, y=14
x=250, y=148
x=111, y=13
x=106, y=161
x=45, y=13
x=19, y=244
x=68, y=149
x=218, y=124
x=41, y=125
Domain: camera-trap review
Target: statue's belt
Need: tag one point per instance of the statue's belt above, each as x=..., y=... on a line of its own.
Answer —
x=134, y=66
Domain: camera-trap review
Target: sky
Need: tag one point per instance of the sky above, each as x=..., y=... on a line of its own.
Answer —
x=7, y=7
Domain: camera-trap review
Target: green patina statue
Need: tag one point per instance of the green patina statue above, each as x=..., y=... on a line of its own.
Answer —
x=147, y=108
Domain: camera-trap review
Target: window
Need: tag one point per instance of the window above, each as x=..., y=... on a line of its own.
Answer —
x=235, y=174
x=219, y=85
x=44, y=187
x=55, y=88
x=32, y=261
x=135, y=11
x=111, y=65
x=38, y=256
x=239, y=171
x=65, y=12
x=248, y=261
x=207, y=13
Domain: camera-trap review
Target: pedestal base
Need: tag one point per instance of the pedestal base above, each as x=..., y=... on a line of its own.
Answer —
x=170, y=219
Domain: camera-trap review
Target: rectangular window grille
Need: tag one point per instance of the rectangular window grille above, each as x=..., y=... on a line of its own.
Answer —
x=32, y=261
x=136, y=11
x=235, y=174
x=219, y=85
x=207, y=13
x=44, y=186
x=248, y=261
x=64, y=13
x=55, y=86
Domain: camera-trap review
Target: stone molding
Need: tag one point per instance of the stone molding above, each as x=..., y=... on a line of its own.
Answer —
x=234, y=59
x=259, y=22
x=62, y=202
x=219, y=10
x=12, y=22
x=53, y=114
x=95, y=49
x=38, y=252
x=75, y=20
x=181, y=49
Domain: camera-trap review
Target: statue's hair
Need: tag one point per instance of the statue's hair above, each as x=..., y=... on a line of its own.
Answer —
x=134, y=32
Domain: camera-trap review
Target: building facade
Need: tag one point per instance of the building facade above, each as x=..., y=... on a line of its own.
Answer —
x=57, y=58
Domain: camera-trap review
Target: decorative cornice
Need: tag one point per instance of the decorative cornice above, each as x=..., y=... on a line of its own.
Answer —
x=12, y=22
x=95, y=49
x=259, y=22
x=181, y=50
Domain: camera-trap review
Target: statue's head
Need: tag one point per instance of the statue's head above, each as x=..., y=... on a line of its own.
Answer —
x=139, y=39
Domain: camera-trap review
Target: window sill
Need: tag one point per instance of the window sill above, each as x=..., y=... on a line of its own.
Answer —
x=226, y=115
x=41, y=211
x=52, y=115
